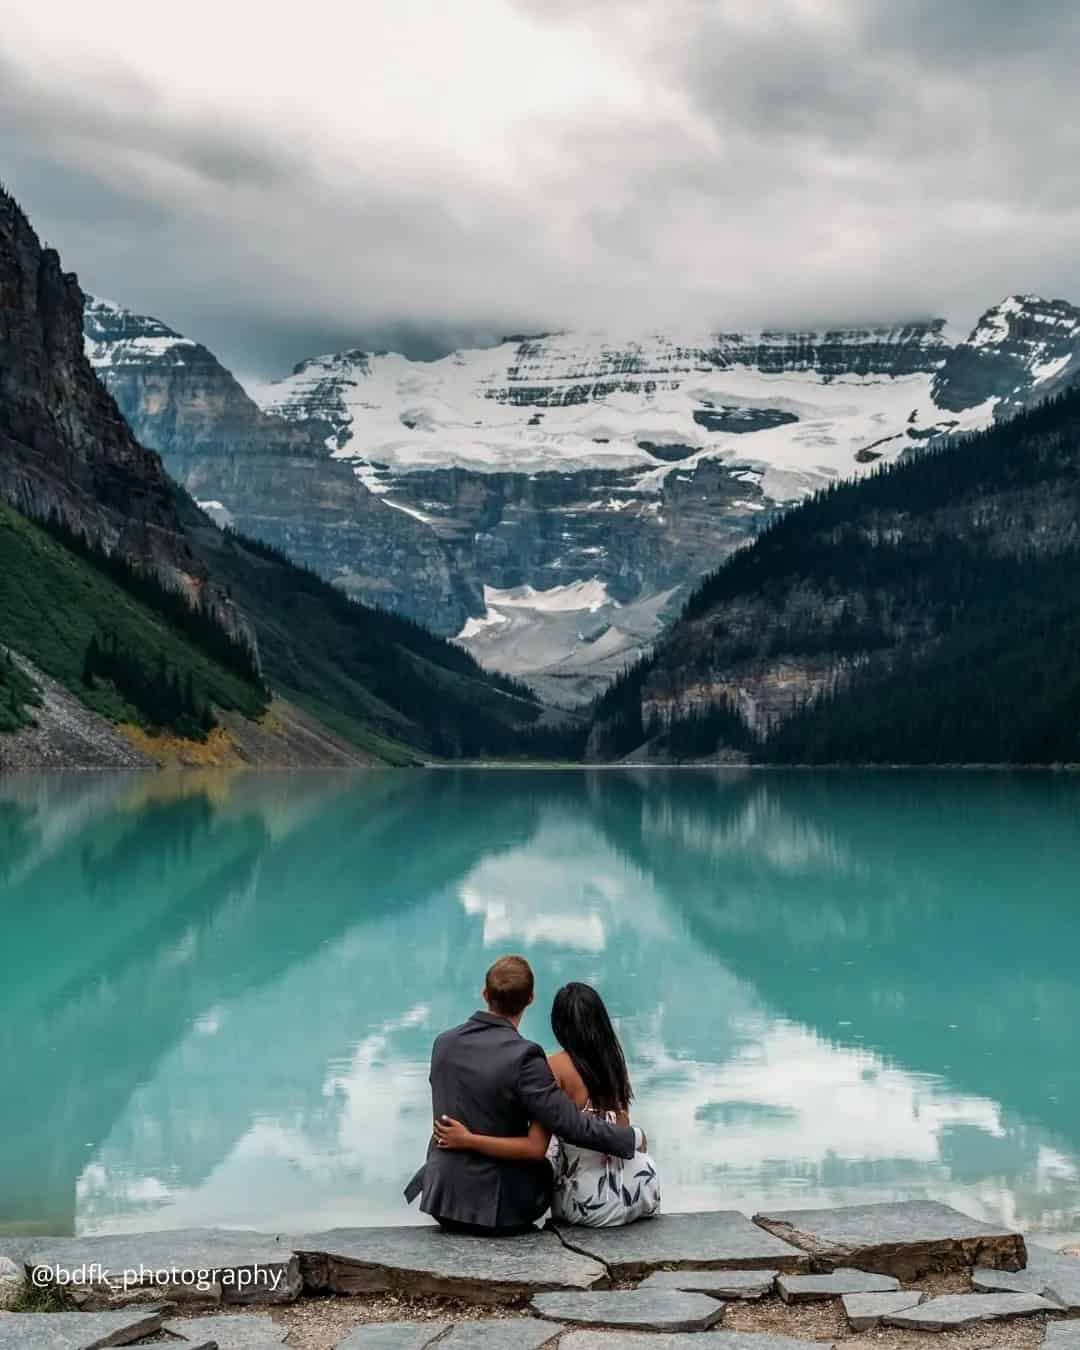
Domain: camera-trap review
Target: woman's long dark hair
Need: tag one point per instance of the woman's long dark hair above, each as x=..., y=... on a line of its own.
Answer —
x=583, y=1028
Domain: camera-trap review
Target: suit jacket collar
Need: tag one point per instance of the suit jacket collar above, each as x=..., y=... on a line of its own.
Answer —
x=493, y=1019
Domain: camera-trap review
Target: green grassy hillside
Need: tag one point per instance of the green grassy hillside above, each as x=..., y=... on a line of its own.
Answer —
x=132, y=652
x=56, y=606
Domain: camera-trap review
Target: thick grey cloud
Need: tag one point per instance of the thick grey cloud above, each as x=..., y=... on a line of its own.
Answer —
x=276, y=180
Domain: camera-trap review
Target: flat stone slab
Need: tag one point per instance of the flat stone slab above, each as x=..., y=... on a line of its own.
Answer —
x=722, y=1238
x=718, y=1340
x=394, y=1336
x=814, y=1288
x=632, y=1309
x=77, y=1330
x=865, y=1311
x=963, y=1310
x=907, y=1239
x=244, y=1331
x=1061, y=1336
x=212, y=1265
x=512, y=1334
x=1054, y=1276
x=428, y=1261
x=745, y=1284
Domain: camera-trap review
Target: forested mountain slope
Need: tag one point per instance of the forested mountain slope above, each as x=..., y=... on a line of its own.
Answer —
x=927, y=614
x=115, y=584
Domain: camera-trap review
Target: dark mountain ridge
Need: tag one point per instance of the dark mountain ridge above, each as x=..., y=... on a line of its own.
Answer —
x=67, y=451
x=927, y=614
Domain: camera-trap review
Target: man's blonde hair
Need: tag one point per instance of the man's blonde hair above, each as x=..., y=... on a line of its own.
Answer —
x=508, y=986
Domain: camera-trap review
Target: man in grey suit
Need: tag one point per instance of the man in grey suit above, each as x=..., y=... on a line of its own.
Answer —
x=486, y=1074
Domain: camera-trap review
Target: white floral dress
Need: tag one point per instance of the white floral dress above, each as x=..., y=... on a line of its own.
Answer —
x=597, y=1190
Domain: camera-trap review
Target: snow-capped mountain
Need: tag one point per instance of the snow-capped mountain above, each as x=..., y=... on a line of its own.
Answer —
x=551, y=499
x=1023, y=347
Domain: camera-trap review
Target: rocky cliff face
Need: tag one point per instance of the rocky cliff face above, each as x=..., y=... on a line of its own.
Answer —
x=549, y=500
x=173, y=390
x=64, y=447
x=273, y=478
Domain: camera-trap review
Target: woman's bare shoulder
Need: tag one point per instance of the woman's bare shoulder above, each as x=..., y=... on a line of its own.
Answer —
x=568, y=1078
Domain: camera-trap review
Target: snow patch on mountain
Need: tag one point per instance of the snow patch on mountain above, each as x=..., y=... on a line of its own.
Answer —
x=1027, y=320
x=218, y=512
x=473, y=627
x=577, y=597
x=1046, y=370
x=114, y=336
x=845, y=426
x=588, y=595
x=993, y=328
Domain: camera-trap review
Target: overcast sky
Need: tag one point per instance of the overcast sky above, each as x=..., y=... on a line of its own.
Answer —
x=277, y=179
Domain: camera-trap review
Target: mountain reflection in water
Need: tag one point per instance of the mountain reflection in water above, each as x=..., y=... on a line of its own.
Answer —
x=218, y=993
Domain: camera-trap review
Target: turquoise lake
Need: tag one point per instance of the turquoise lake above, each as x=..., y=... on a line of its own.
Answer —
x=218, y=992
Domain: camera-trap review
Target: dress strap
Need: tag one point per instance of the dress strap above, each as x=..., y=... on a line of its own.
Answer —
x=609, y=1116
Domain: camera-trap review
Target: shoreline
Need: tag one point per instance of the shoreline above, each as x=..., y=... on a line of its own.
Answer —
x=531, y=766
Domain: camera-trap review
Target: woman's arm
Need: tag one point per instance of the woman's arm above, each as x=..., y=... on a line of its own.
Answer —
x=542, y=1099
x=450, y=1133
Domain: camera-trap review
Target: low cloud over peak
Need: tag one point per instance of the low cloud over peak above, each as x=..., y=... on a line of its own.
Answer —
x=276, y=180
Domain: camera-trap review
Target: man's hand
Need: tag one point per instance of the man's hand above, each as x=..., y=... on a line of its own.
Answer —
x=450, y=1133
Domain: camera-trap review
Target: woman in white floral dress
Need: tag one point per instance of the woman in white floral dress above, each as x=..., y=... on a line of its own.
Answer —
x=591, y=1189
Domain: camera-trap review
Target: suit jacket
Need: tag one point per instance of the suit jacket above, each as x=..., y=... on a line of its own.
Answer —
x=487, y=1075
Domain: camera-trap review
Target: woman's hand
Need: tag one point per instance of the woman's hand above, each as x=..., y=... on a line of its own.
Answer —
x=450, y=1133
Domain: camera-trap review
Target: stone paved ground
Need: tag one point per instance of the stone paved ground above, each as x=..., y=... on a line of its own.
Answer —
x=403, y=1276
x=1050, y=1273
x=319, y=1323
